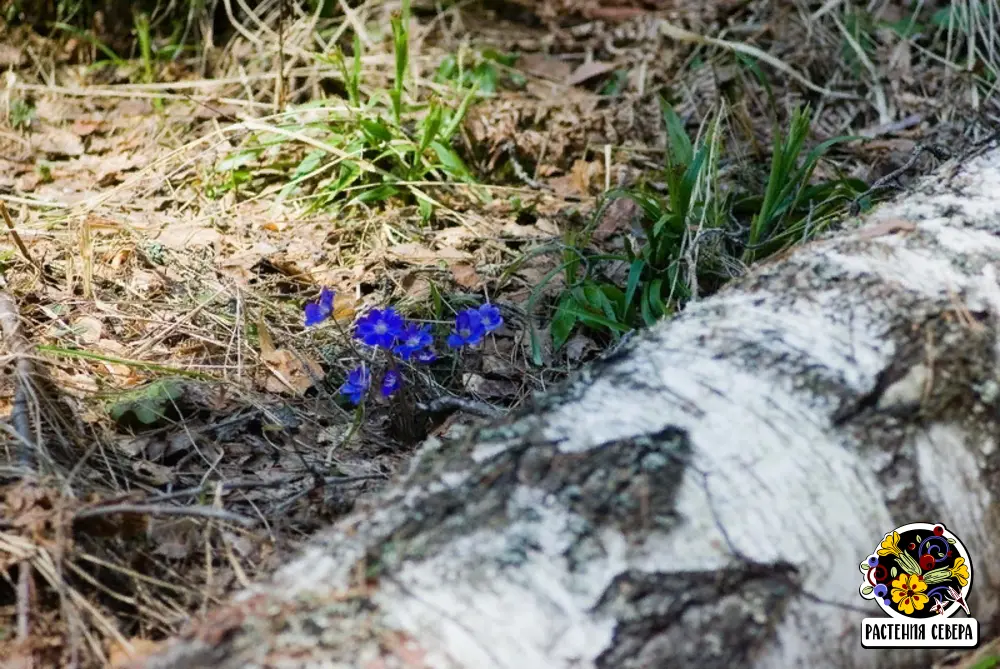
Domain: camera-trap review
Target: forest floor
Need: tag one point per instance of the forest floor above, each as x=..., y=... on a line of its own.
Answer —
x=178, y=427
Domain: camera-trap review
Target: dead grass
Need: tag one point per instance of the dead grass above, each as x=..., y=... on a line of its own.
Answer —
x=187, y=426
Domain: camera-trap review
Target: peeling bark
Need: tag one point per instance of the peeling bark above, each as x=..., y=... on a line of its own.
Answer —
x=702, y=497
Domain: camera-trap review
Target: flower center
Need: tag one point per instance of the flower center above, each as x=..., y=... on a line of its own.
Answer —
x=381, y=327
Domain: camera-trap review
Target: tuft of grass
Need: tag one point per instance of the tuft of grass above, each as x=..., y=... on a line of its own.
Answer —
x=489, y=71
x=789, y=197
x=696, y=237
x=988, y=662
x=88, y=36
x=962, y=34
x=20, y=114
x=379, y=146
x=145, y=46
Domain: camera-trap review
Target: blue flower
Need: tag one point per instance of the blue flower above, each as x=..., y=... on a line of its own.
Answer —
x=379, y=327
x=469, y=329
x=391, y=381
x=357, y=384
x=317, y=312
x=413, y=339
x=490, y=316
x=425, y=356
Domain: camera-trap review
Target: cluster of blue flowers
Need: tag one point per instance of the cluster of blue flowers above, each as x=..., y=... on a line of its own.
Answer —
x=386, y=329
x=472, y=324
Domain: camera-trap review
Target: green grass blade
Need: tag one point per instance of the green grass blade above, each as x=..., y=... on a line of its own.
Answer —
x=634, y=275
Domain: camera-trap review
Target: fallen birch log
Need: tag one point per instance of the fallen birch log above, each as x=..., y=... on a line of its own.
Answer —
x=701, y=498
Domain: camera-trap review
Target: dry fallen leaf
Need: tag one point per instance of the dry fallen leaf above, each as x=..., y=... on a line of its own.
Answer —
x=17, y=657
x=77, y=385
x=118, y=258
x=583, y=174
x=83, y=127
x=266, y=343
x=275, y=226
x=488, y=388
x=417, y=287
x=175, y=550
x=544, y=66
x=182, y=236
x=458, y=236
x=548, y=226
x=122, y=657
x=588, y=71
x=290, y=373
x=579, y=346
x=111, y=168
x=152, y=473
x=132, y=108
x=612, y=14
x=132, y=446
x=147, y=284
x=12, y=56
x=58, y=142
x=241, y=545
x=88, y=329
x=28, y=181
x=465, y=275
x=418, y=254
x=618, y=217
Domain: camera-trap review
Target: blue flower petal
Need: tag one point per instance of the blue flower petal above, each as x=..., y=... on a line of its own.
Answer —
x=425, y=356
x=315, y=314
x=469, y=329
x=490, y=317
x=393, y=320
x=380, y=327
x=326, y=299
x=391, y=382
x=412, y=339
x=357, y=384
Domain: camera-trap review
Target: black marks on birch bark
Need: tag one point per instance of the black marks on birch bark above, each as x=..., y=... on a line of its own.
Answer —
x=703, y=619
x=909, y=353
x=944, y=371
x=629, y=485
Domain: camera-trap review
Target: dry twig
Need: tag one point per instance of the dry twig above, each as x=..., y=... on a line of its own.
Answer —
x=13, y=233
x=160, y=510
x=17, y=347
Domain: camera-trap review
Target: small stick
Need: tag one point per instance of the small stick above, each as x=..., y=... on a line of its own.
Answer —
x=329, y=480
x=157, y=510
x=854, y=208
x=446, y=402
x=250, y=485
x=24, y=588
x=10, y=326
x=13, y=233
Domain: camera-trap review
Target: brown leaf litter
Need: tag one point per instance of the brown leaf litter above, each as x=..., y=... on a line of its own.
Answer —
x=145, y=272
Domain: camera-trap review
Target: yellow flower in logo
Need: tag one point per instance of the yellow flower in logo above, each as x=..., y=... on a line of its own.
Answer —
x=889, y=545
x=908, y=593
x=960, y=570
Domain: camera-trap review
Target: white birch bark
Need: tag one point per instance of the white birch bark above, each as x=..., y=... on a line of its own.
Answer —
x=703, y=497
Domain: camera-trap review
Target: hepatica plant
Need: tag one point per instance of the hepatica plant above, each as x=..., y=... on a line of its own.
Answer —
x=401, y=340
